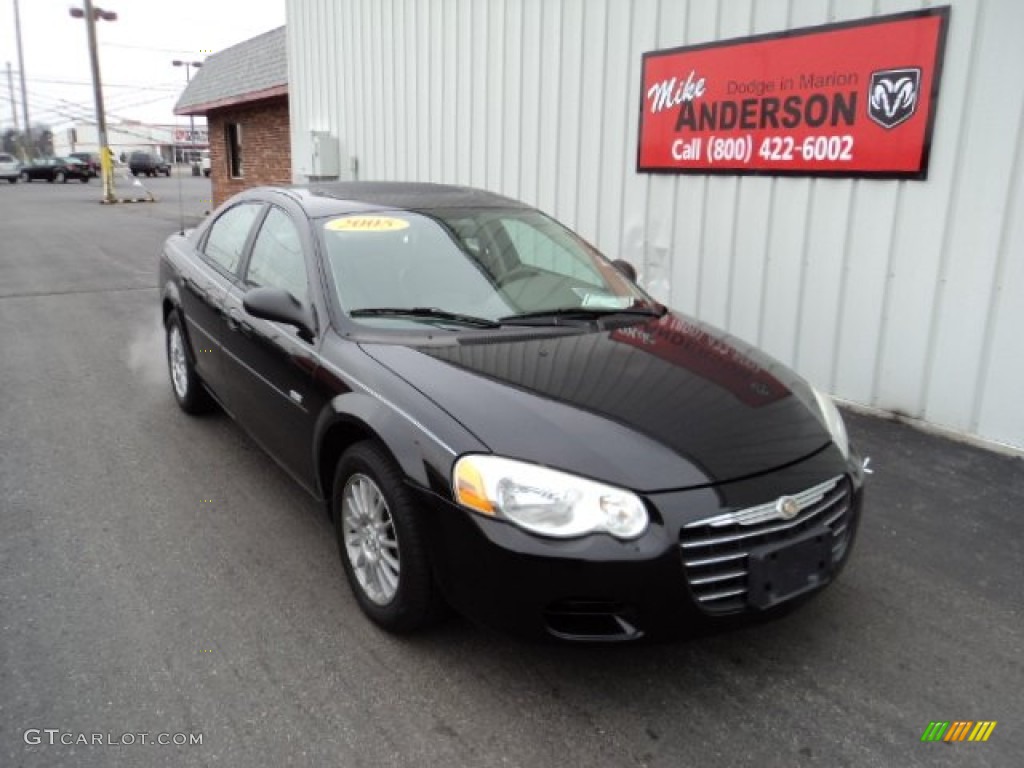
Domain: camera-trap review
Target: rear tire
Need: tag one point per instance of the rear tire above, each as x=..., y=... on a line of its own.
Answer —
x=60, y=177
x=185, y=383
x=12, y=179
x=84, y=179
x=380, y=540
x=26, y=178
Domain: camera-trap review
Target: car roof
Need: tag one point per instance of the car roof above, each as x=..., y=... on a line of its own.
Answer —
x=332, y=198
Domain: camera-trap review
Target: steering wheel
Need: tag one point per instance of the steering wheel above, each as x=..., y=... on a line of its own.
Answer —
x=519, y=273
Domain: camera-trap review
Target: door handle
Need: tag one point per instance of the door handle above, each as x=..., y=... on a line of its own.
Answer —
x=237, y=322
x=201, y=291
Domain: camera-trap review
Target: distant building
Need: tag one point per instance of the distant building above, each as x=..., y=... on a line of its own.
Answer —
x=243, y=93
x=172, y=142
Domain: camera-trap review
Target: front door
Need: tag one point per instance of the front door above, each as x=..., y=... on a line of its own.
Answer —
x=272, y=368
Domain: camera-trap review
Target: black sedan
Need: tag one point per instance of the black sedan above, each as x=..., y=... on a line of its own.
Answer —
x=90, y=160
x=500, y=420
x=58, y=169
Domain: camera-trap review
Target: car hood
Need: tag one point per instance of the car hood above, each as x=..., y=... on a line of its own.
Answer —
x=668, y=403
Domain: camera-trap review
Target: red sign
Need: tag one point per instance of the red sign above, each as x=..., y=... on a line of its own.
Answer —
x=849, y=99
x=186, y=136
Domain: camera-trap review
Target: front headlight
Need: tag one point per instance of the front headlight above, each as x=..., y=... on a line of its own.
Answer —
x=834, y=422
x=546, y=501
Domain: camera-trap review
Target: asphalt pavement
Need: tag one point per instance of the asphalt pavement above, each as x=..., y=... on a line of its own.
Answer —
x=160, y=575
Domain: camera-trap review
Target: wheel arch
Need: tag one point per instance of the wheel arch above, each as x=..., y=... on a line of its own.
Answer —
x=171, y=304
x=355, y=416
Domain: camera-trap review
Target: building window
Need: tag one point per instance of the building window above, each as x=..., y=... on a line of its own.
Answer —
x=234, y=143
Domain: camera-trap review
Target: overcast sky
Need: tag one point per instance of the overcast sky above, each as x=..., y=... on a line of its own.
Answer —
x=136, y=52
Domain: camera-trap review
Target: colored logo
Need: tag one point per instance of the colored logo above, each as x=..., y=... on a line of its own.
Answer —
x=959, y=730
x=366, y=224
x=893, y=95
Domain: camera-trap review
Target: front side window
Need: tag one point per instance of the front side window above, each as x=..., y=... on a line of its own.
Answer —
x=277, y=259
x=226, y=241
x=485, y=263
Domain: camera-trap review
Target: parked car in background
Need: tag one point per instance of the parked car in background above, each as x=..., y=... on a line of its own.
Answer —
x=90, y=159
x=204, y=163
x=499, y=418
x=10, y=167
x=58, y=169
x=148, y=164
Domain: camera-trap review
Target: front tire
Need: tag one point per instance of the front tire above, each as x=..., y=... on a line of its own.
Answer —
x=185, y=384
x=380, y=539
x=26, y=178
x=60, y=177
x=84, y=179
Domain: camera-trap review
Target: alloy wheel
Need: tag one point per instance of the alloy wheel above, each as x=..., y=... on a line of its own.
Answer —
x=179, y=366
x=370, y=541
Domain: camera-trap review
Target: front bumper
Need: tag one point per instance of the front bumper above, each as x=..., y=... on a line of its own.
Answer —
x=598, y=588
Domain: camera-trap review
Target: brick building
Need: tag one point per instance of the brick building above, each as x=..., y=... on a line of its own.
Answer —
x=243, y=93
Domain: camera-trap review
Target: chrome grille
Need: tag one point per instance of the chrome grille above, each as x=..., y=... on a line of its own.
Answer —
x=715, y=549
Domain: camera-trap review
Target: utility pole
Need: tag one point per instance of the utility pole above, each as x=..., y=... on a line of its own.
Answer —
x=27, y=135
x=14, y=104
x=101, y=121
x=189, y=66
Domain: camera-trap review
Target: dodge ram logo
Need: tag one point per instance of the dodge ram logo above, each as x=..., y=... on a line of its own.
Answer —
x=893, y=96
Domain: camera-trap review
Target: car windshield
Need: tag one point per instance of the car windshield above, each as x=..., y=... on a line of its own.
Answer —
x=469, y=268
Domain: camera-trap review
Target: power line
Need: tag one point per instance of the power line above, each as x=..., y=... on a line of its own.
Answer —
x=171, y=87
x=57, y=108
x=190, y=51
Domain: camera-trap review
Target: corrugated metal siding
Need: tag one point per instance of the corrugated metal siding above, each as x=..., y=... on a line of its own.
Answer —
x=907, y=296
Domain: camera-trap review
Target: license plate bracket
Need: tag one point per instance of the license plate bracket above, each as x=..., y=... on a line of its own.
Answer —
x=782, y=571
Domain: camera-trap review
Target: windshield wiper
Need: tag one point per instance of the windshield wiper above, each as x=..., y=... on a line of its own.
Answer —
x=583, y=313
x=430, y=313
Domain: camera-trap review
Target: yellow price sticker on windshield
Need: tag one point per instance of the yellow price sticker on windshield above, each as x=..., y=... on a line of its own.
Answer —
x=366, y=224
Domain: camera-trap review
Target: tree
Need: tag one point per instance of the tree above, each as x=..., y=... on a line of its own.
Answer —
x=9, y=141
x=42, y=139
x=14, y=143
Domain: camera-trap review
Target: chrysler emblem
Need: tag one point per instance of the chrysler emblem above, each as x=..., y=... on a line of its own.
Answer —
x=787, y=507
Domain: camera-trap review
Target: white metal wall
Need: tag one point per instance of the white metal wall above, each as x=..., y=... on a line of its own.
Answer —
x=902, y=295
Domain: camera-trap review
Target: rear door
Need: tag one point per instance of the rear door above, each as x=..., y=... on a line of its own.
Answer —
x=204, y=287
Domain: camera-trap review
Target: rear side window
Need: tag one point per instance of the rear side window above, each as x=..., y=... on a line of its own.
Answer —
x=228, y=234
x=6, y=159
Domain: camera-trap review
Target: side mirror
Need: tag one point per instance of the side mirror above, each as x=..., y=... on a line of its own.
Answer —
x=625, y=268
x=279, y=306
